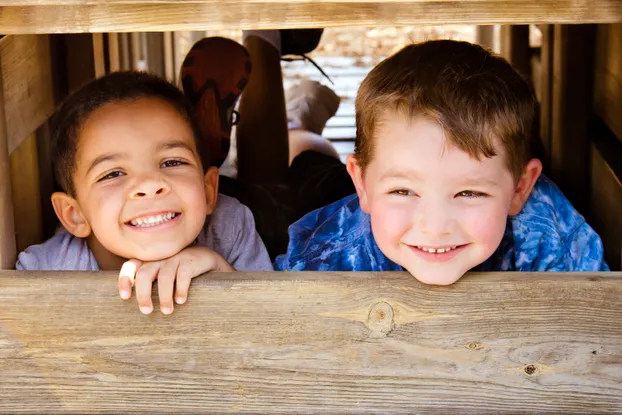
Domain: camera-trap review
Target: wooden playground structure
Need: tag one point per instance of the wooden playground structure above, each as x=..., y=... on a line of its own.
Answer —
x=312, y=342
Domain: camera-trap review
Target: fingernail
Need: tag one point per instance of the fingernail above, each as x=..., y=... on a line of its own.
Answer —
x=180, y=300
x=146, y=309
x=125, y=294
x=167, y=310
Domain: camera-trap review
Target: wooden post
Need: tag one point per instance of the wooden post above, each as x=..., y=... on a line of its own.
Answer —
x=7, y=227
x=169, y=57
x=572, y=107
x=515, y=48
x=114, y=59
x=546, y=88
x=486, y=36
x=99, y=58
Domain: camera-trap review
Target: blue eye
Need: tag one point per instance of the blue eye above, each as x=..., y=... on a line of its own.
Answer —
x=173, y=163
x=111, y=175
x=470, y=194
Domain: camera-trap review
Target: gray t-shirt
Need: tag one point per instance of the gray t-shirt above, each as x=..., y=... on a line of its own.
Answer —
x=229, y=231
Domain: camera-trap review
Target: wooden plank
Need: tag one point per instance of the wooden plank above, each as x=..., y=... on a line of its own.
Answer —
x=608, y=76
x=515, y=48
x=114, y=53
x=546, y=87
x=573, y=60
x=171, y=15
x=26, y=197
x=99, y=57
x=81, y=60
x=606, y=191
x=28, y=90
x=7, y=227
x=314, y=343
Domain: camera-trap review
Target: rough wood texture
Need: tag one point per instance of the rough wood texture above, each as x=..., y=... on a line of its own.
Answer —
x=573, y=67
x=608, y=76
x=167, y=15
x=314, y=343
x=26, y=196
x=28, y=91
x=7, y=227
x=606, y=192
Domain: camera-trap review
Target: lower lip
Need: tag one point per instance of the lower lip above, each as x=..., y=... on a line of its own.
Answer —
x=430, y=257
x=155, y=228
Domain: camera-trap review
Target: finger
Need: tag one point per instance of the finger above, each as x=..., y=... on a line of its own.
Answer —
x=166, y=281
x=143, y=284
x=184, y=278
x=126, y=277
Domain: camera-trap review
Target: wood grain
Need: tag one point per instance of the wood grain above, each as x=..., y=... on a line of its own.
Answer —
x=7, y=227
x=26, y=197
x=169, y=15
x=28, y=92
x=314, y=343
x=608, y=76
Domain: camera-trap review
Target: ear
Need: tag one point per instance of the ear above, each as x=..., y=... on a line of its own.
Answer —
x=525, y=185
x=357, y=174
x=211, y=188
x=70, y=215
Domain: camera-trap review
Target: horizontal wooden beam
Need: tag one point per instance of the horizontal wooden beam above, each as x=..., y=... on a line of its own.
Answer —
x=314, y=343
x=70, y=16
x=28, y=90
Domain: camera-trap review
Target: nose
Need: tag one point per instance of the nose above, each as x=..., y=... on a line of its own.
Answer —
x=149, y=187
x=436, y=219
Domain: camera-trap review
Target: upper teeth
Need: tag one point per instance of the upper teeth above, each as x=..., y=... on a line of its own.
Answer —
x=437, y=250
x=153, y=220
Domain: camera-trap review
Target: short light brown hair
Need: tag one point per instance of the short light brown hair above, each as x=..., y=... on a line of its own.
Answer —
x=474, y=95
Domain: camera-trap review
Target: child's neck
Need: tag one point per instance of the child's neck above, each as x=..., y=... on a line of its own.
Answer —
x=106, y=260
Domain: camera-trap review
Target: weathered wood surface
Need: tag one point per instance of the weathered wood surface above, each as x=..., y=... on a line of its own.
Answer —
x=608, y=76
x=70, y=16
x=28, y=91
x=7, y=227
x=314, y=343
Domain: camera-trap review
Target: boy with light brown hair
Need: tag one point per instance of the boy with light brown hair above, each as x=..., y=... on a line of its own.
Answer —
x=446, y=178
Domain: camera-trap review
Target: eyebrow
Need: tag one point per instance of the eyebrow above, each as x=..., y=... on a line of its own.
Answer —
x=392, y=174
x=116, y=156
x=174, y=144
x=414, y=176
x=106, y=157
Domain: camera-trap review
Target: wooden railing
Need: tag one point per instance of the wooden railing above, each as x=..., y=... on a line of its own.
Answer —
x=71, y=16
x=314, y=343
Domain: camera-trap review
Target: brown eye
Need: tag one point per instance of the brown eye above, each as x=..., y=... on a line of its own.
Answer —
x=470, y=194
x=111, y=175
x=173, y=163
x=401, y=192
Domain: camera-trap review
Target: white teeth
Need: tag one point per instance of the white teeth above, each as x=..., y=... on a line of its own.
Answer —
x=153, y=220
x=436, y=250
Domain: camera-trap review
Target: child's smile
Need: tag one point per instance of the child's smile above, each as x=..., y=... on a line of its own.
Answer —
x=434, y=209
x=139, y=180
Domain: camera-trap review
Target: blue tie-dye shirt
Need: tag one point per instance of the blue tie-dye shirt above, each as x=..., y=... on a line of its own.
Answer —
x=547, y=235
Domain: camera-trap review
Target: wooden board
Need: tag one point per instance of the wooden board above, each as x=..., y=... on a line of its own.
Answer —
x=26, y=196
x=606, y=192
x=314, y=343
x=573, y=67
x=28, y=90
x=7, y=227
x=608, y=76
x=69, y=16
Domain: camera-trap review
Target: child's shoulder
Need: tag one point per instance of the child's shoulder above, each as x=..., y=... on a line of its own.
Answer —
x=230, y=231
x=336, y=237
x=551, y=235
x=62, y=252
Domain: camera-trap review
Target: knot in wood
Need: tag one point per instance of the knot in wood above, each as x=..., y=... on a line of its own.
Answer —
x=380, y=319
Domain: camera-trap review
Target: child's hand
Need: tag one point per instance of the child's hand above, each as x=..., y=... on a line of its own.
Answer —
x=180, y=268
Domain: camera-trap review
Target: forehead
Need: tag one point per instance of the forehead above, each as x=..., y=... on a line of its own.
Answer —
x=136, y=125
x=420, y=144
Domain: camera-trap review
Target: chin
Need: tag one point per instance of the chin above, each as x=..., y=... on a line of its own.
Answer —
x=156, y=253
x=442, y=278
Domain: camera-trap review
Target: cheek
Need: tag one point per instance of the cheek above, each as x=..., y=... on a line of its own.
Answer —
x=390, y=220
x=486, y=225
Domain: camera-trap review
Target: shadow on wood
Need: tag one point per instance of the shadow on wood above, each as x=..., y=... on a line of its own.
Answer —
x=314, y=342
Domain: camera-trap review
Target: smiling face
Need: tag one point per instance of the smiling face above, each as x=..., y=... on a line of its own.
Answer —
x=139, y=183
x=434, y=210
